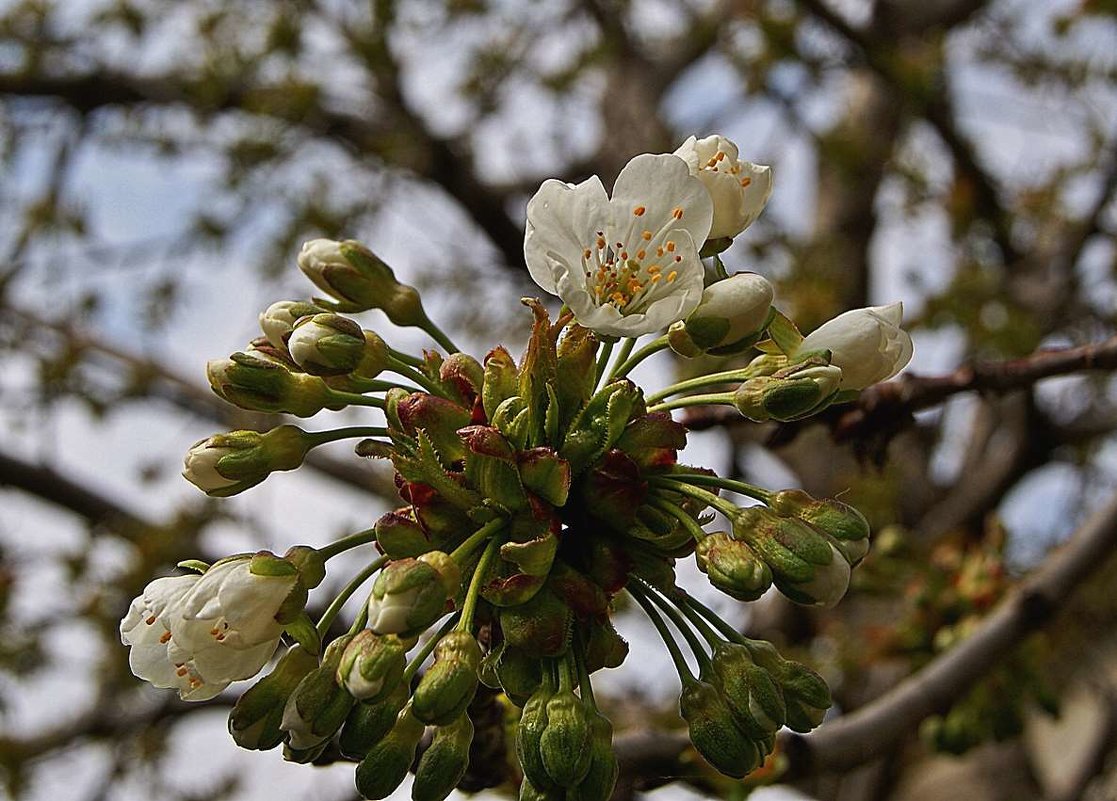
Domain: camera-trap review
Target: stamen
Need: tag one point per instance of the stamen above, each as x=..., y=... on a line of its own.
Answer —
x=677, y=212
x=151, y=620
x=640, y=254
x=586, y=254
x=670, y=247
x=600, y=242
x=639, y=211
x=746, y=181
x=646, y=236
x=671, y=276
x=182, y=671
x=165, y=638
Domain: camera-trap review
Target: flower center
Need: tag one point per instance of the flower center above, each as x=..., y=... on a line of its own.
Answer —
x=717, y=163
x=628, y=272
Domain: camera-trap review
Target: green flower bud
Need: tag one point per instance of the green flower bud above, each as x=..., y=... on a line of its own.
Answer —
x=540, y=627
x=410, y=594
x=713, y=732
x=451, y=682
x=442, y=765
x=254, y=382
x=846, y=526
x=806, y=567
x=605, y=648
x=319, y=705
x=601, y=777
x=753, y=697
x=516, y=673
x=564, y=744
x=545, y=473
x=805, y=693
x=255, y=719
x=802, y=392
x=351, y=273
x=728, y=319
x=371, y=665
x=733, y=567
x=400, y=536
x=227, y=464
x=369, y=722
x=529, y=792
x=490, y=466
x=278, y=320
x=385, y=766
x=529, y=732
x=327, y=344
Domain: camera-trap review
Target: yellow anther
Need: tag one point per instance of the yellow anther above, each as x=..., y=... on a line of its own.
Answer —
x=640, y=254
x=677, y=212
x=182, y=671
x=600, y=242
x=586, y=254
x=671, y=276
x=670, y=247
x=746, y=181
x=655, y=278
x=151, y=620
x=647, y=235
x=165, y=638
x=639, y=211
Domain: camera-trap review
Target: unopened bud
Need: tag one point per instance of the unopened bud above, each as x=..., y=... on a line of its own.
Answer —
x=451, y=682
x=516, y=673
x=278, y=320
x=385, y=766
x=733, y=567
x=564, y=744
x=372, y=665
x=805, y=566
x=601, y=777
x=501, y=380
x=369, y=722
x=728, y=319
x=442, y=765
x=805, y=693
x=753, y=697
x=399, y=535
x=799, y=394
x=256, y=717
x=226, y=464
x=257, y=383
x=846, y=526
x=540, y=627
x=318, y=706
x=410, y=594
x=359, y=280
x=533, y=722
x=463, y=376
x=327, y=344
x=713, y=732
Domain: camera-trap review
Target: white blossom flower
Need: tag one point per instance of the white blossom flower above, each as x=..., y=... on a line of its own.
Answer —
x=628, y=265
x=198, y=634
x=200, y=466
x=867, y=344
x=731, y=310
x=739, y=189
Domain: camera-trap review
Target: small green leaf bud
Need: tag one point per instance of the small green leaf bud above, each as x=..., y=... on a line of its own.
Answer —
x=385, y=766
x=410, y=594
x=733, y=567
x=753, y=697
x=327, y=344
x=319, y=705
x=727, y=320
x=254, y=382
x=227, y=464
x=533, y=722
x=713, y=731
x=800, y=393
x=278, y=320
x=501, y=380
x=371, y=665
x=400, y=536
x=601, y=777
x=451, y=682
x=564, y=744
x=369, y=722
x=255, y=719
x=442, y=765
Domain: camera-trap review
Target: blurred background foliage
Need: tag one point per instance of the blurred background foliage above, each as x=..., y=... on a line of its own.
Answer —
x=160, y=162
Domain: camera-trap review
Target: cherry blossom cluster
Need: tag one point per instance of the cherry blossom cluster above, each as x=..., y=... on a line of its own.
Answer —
x=534, y=495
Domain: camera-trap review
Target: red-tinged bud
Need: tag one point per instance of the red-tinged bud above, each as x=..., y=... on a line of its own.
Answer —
x=399, y=535
x=439, y=418
x=545, y=473
x=575, y=371
x=501, y=380
x=614, y=490
x=490, y=466
x=539, y=627
x=653, y=440
x=463, y=376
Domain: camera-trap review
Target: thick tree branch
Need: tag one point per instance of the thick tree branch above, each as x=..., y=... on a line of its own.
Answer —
x=870, y=732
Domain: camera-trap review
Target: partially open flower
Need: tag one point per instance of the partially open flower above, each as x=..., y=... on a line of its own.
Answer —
x=867, y=344
x=739, y=189
x=628, y=265
x=226, y=464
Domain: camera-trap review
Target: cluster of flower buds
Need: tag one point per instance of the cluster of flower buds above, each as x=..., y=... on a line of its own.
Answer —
x=534, y=493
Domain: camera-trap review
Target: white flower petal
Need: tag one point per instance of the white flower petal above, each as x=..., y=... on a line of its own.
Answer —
x=867, y=344
x=561, y=218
